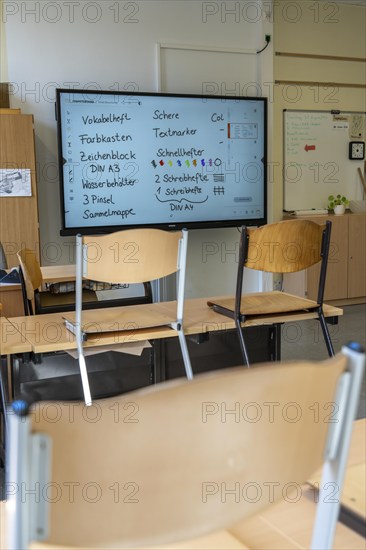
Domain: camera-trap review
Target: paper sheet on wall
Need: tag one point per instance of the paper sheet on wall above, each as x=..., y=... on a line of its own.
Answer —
x=15, y=182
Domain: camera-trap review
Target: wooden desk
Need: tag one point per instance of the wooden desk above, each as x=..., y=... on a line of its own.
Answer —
x=288, y=525
x=353, y=509
x=12, y=341
x=353, y=502
x=11, y=298
x=11, y=295
x=58, y=273
x=47, y=333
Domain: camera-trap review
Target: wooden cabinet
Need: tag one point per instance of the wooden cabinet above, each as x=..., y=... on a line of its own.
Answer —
x=18, y=215
x=346, y=274
x=357, y=256
x=11, y=300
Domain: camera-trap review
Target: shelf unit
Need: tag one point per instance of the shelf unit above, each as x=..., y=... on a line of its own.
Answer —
x=19, y=226
x=346, y=274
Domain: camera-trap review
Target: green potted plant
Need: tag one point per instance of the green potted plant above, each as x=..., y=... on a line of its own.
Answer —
x=338, y=204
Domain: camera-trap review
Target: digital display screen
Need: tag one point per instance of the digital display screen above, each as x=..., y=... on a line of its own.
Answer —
x=161, y=160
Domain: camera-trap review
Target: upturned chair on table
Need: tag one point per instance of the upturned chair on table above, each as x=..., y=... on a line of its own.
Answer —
x=283, y=247
x=160, y=465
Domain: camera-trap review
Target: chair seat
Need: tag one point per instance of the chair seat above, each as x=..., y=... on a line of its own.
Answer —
x=266, y=303
x=48, y=299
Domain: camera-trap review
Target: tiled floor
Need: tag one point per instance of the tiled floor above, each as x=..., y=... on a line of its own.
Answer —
x=305, y=339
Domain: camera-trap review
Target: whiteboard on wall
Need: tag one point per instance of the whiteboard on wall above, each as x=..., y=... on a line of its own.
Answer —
x=316, y=162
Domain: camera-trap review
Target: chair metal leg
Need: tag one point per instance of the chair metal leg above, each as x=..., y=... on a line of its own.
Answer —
x=85, y=380
x=3, y=422
x=326, y=334
x=186, y=359
x=242, y=342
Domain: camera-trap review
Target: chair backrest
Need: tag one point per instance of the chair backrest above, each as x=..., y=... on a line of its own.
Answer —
x=31, y=271
x=130, y=256
x=286, y=246
x=182, y=459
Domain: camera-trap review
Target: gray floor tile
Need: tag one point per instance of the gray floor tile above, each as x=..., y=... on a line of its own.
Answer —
x=305, y=340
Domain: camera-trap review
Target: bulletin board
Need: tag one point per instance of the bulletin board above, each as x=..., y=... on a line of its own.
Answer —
x=316, y=157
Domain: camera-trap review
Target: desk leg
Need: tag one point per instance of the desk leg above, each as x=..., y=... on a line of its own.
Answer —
x=159, y=372
x=3, y=421
x=15, y=379
x=9, y=366
x=5, y=398
x=275, y=342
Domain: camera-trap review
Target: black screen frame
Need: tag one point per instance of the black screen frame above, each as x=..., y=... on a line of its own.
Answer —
x=206, y=224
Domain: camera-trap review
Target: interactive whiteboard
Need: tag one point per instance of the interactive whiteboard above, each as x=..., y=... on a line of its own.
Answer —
x=160, y=160
x=316, y=161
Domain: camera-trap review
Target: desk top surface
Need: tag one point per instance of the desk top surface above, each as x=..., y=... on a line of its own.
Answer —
x=11, y=340
x=354, y=493
x=47, y=333
x=50, y=274
x=58, y=273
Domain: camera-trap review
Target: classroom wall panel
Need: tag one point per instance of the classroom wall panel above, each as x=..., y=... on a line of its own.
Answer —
x=113, y=45
x=327, y=28
x=326, y=84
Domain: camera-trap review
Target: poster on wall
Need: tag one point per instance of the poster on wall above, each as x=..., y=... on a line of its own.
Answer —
x=15, y=182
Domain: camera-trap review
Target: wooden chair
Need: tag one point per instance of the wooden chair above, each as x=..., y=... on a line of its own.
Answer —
x=175, y=461
x=48, y=302
x=44, y=301
x=283, y=247
x=131, y=256
x=66, y=386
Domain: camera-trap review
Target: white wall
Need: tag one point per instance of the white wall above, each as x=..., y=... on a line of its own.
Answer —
x=325, y=30
x=113, y=45
x=3, y=53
